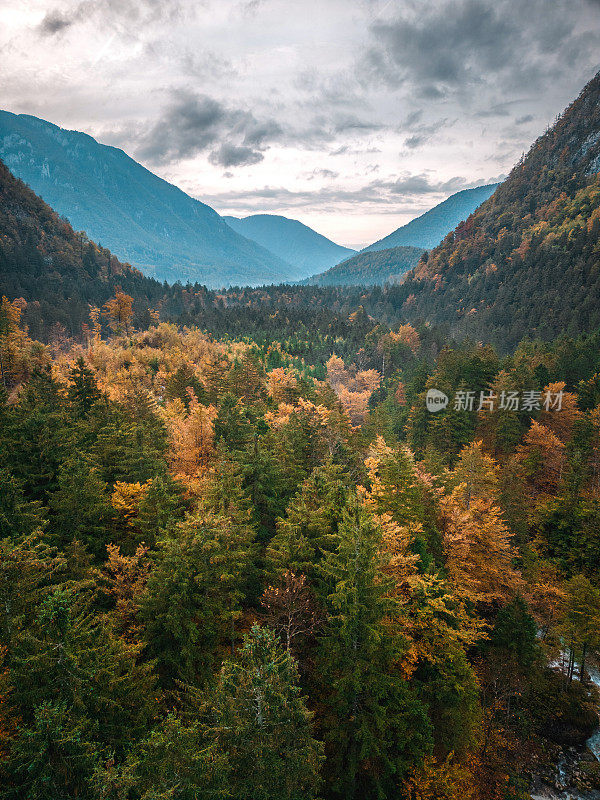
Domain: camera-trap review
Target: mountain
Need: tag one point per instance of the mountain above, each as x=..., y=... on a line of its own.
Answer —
x=370, y=269
x=295, y=243
x=57, y=272
x=526, y=263
x=430, y=228
x=140, y=217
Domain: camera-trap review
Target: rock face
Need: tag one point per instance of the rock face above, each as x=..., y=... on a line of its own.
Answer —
x=141, y=218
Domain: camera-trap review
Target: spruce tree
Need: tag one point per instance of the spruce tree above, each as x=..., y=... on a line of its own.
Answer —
x=374, y=727
x=259, y=720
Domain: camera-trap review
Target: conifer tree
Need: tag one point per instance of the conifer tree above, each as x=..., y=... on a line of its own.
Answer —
x=374, y=727
x=192, y=596
x=260, y=721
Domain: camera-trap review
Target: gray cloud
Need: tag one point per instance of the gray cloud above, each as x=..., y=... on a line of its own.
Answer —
x=452, y=47
x=193, y=124
x=231, y=155
x=55, y=22
x=406, y=193
x=109, y=12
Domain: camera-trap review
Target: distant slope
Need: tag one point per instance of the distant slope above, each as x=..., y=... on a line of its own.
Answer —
x=295, y=243
x=143, y=219
x=430, y=228
x=59, y=273
x=370, y=269
x=527, y=262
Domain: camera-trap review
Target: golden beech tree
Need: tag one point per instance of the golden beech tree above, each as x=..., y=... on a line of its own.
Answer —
x=126, y=578
x=446, y=780
x=191, y=432
x=282, y=385
x=13, y=366
x=119, y=311
x=478, y=547
x=353, y=388
x=559, y=420
x=543, y=457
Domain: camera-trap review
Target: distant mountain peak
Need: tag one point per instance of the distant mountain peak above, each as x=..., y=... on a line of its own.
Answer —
x=293, y=241
x=142, y=218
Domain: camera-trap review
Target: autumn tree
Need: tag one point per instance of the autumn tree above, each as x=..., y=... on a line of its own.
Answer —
x=543, y=457
x=478, y=547
x=119, y=311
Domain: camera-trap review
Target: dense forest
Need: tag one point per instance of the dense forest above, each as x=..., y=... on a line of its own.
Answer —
x=526, y=262
x=250, y=569
x=370, y=268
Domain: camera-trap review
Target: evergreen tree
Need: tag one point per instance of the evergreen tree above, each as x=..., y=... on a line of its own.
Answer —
x=54, y=757
x=374, y=727
x=192, y=596
x=260, y=721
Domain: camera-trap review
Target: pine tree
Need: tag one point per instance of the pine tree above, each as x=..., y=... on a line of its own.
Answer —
x=309, y=528
x=374, y=727
x=71, y=654
x=53, y=757
x=260, y=721
x=192, y=596
x=83, y=391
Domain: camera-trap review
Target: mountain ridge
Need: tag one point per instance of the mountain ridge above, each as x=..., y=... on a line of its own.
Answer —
x=294, y=242
x=527, y=261
x=139, y=216
x=430, y=228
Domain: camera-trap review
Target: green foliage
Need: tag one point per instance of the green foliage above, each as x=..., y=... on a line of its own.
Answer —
x=192, y=597
x=375, y=729
x=260, y=721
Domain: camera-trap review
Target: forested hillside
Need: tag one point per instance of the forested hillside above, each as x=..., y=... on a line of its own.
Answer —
x=119, y=203
x=233, y=570
x=370, y=268
x=527, y=262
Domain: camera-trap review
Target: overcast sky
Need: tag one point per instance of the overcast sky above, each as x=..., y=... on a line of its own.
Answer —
x=353, y=116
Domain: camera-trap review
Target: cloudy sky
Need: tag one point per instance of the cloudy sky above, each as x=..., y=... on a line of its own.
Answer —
x=353, y=116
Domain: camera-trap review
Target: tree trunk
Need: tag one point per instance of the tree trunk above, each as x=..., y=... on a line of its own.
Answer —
x=583, y=655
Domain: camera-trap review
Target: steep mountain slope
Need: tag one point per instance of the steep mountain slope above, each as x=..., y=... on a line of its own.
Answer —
x=430, y=228
x=295, y=243
x=527, y=262
x=57, y=272
x=140, y=217
x=370, y=269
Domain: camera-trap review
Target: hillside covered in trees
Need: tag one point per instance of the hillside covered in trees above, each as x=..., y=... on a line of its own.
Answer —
x=370, y=268
x=526, y=263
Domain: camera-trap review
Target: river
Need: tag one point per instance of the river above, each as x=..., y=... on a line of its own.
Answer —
x=569, y=764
